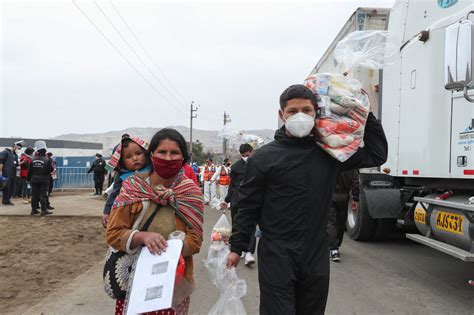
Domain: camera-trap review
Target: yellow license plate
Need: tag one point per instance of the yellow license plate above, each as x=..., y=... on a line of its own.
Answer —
x=450, y=222
x=420, y=215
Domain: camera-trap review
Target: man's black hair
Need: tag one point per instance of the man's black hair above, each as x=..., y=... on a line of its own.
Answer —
x=42, y=152
x=245, y=148
x=98, y=155
x=169, y=134
x=29, y=151
x=125, y=135
x=298, y=91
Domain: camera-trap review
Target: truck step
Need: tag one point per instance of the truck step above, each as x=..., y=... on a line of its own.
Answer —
x=443, y=247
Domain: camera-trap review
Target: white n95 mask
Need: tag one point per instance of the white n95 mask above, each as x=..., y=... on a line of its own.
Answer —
x=299, y=125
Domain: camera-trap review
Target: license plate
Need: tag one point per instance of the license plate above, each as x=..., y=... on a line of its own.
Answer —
x=450, y=222
x=420, y=215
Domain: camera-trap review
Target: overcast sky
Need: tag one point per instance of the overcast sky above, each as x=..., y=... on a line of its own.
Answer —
x=59, y=75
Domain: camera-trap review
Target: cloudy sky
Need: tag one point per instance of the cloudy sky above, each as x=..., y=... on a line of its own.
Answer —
x=60, y=75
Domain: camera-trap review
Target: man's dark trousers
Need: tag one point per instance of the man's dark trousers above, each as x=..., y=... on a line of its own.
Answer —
x=7, y=192
x=39, y=194
x=288, y=283
x=337, y=221
x=253, y=239
x=99, y=182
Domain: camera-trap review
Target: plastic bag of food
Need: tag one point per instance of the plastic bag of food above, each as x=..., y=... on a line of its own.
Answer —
x=367, y=49
x=230, y=286
x=343, y=111
x=221, y=230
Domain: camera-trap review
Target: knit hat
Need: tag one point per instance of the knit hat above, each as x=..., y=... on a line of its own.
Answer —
x=114, y=161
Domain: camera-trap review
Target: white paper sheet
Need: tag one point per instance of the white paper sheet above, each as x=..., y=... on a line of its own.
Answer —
x=153, y=281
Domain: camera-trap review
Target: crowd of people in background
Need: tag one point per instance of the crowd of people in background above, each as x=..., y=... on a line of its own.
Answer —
x=29, y=175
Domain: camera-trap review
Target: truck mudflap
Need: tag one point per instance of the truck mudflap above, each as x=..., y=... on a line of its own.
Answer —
x=447, y=221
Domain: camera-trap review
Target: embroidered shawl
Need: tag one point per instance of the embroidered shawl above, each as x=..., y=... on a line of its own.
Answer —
x=183, y=196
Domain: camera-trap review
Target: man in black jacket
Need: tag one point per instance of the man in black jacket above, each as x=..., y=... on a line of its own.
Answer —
x=287, y=191
x=8, y=168
x=236, y=176
x=39, y=172
x=347, y=183
x=98, y=167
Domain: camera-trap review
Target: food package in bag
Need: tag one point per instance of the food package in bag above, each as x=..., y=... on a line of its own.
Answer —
x=341, y=120
x=343, y=111
x=221, y=230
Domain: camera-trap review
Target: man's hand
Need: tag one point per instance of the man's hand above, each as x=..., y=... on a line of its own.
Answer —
x=105, y=220
x=233, y=260
x=354, y=205
x=224, y=205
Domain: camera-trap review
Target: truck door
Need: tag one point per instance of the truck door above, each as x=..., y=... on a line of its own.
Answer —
x=462, y=137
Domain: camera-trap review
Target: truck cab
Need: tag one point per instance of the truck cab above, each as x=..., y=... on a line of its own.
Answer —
x=425, y=103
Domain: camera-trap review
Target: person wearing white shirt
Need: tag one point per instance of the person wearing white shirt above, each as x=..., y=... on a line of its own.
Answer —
x=207, y=174
x=222, y=177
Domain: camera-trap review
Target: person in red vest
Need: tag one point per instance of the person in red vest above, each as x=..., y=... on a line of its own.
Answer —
x=222, y=177
x=209, y=186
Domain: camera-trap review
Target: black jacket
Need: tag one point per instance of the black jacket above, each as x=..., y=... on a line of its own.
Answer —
x=347, y=181
x=112, y=195
x=98, y=167
x=288, y=188
x=237, y=172
x=10, y=162
x=40, y=169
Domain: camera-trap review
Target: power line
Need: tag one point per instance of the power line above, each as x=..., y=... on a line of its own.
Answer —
x=136, y=54
x=146, y=52
x=123, y=56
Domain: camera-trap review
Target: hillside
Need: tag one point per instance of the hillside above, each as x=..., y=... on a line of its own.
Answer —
x=209, y=138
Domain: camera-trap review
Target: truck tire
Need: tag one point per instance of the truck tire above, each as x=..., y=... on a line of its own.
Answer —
x=360, y=224
x=383, y=228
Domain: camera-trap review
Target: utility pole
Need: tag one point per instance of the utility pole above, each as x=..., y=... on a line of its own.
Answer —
x=191, y=117
x=225, y=141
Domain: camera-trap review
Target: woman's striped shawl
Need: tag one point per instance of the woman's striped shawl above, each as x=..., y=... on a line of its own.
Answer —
x=183, y=195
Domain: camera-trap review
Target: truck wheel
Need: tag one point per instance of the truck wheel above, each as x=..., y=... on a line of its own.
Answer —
x=383, y=228
x=360, y=224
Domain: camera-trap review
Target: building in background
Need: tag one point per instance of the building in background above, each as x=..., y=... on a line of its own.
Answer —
x=73, y=159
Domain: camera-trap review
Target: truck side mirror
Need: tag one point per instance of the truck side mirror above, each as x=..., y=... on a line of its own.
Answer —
x=459, y=57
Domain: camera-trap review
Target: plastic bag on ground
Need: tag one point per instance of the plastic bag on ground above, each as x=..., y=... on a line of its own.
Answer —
x=230, y=286
x=343, y=111
x=367, y=49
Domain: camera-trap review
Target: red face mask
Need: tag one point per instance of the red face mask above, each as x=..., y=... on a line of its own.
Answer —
x=166, y=168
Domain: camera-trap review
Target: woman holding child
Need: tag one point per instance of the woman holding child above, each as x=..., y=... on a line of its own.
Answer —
x=169, y=198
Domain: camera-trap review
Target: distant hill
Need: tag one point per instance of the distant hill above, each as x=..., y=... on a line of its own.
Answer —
x=209, y=138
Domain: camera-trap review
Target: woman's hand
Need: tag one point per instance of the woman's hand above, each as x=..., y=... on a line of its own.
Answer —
x=105, y=220
x=233, y=260
x=155, y=242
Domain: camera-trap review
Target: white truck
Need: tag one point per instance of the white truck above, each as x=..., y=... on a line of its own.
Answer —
x=425, y=102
